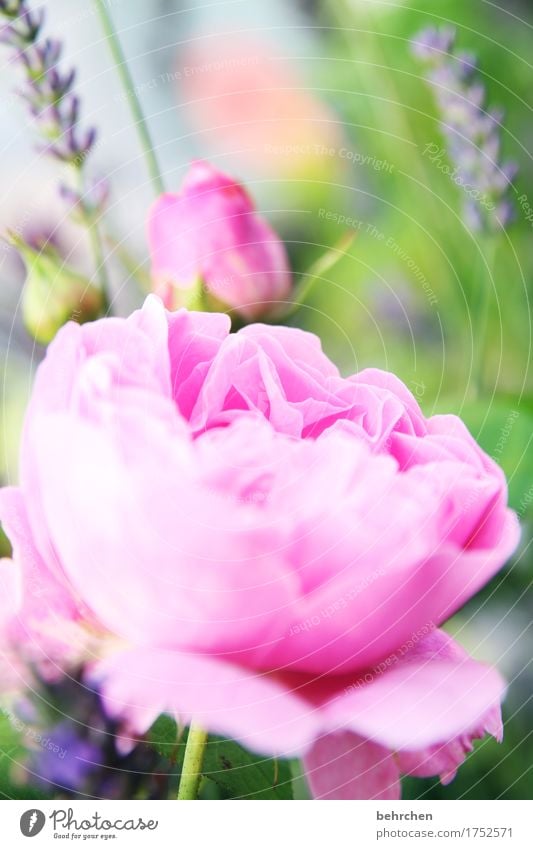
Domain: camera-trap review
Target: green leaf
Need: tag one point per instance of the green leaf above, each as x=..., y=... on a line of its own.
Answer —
x=163, y=736
x=238, y=773
x=12, y=756
x=244, y=775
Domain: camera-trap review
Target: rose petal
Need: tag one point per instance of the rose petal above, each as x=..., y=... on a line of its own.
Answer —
x=437, y=690
x=345, y=766
x=257, y=710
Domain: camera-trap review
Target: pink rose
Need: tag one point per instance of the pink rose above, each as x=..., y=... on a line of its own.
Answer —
x=269, y=547
x=210, y=239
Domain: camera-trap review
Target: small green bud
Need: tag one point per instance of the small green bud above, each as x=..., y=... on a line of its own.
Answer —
x=54, y=293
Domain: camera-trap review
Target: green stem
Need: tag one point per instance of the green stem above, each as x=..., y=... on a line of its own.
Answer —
x=191, y=773
x=96, y=243
x=481, y=319
x=317, y=270
x=133, y=100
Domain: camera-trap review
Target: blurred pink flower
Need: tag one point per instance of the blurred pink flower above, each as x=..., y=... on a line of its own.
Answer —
x=272, y=546
x=251, y=103
x=209, y=239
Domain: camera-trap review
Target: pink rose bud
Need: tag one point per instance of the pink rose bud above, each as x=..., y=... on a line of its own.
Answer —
x=210, y=247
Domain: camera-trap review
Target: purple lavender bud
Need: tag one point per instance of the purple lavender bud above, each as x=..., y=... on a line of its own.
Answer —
x=69, y=195
x=496, y=115
x=30, y=23
x=8, y=36
x=67, y=82
x=71, y=111
x=503, y=176
x=490, y=149
x=505, y=213
x=52, y=49
x=443, y=76
x=69, y=140
x=65, y=761
x=93, y=200
x=466, y=64
x=472, y=132
x=31, y=60
x=88, y=140
x=472, y=216
x=53, y=82
x=476, y=95
x=506, y=174
x=83, y=756
x=25, y=24
x=432, y=43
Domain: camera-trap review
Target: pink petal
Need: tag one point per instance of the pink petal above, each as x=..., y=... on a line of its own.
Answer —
x=44, y=592
x=193, y=572
x=136, y=347
x=427, y=694
x=445, y=758
x=257, y=710
x=345, y=766
x=10, y=590
x=387, y=385
x=194, y=340
x=391, y=584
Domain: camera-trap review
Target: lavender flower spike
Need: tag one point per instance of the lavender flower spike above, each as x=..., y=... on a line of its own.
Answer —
x=24, y=25
x=471, y=130
x=48, y=90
